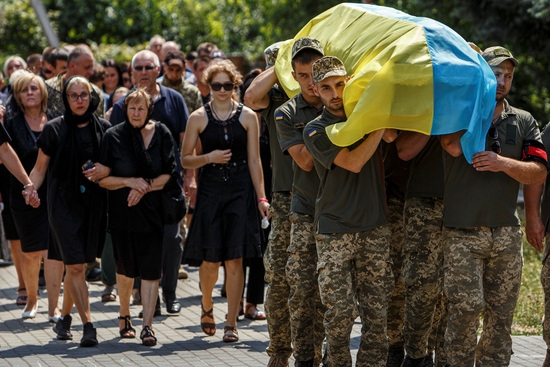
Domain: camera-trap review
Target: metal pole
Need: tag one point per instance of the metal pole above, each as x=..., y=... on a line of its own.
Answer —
x=45, y=22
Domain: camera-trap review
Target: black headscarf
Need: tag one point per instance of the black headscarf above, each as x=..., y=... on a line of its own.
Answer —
x=69, y=116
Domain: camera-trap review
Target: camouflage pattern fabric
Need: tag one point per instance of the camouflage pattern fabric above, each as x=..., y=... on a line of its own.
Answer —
x=191, y=94
x=545, y=280
x=482, y=274
x=275, y=259
x=306, y=310
x=396, y=308
x=422, y=272
x=355, y=267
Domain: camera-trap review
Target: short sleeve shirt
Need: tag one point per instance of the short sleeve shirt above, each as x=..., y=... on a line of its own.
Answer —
x=426, y=176
x=487, y=199
x=291, y=119
x=346, y=202
x=282, y=164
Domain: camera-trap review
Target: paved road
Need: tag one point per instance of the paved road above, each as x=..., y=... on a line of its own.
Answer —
x=181, y=341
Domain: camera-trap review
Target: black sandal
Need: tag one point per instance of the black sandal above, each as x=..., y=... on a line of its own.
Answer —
x=147, y=333
x=124, y=333
x=21, y=300
x=230, y=334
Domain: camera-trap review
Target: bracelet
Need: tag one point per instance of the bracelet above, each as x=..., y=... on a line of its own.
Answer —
x=263, y=200
x=28, y=185
x=207, y=159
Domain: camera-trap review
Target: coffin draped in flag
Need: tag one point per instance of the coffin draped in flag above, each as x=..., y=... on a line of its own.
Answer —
x=407, y=73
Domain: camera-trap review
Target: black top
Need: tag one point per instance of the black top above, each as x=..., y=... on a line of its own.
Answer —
x=125, y=157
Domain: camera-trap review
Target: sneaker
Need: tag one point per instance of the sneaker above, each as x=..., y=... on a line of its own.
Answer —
x=89, y=338
x=63, y=328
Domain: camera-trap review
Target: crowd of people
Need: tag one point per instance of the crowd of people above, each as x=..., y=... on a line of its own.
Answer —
x=398, y=228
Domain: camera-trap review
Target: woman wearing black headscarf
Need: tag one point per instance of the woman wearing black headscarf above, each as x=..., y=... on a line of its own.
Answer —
x=140, y=154
x=69, y=146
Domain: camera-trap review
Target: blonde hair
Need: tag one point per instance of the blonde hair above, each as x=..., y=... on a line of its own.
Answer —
x=23, y=82
x=222, y=66
x=79, y=80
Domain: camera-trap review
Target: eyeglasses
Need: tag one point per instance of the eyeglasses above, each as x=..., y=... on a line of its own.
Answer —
x=493, y=135
x=148, y=67
x=73, y=97
x=216, y=87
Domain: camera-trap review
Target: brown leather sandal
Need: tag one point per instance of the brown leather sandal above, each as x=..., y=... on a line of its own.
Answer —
x=230, y=334
x=207, y=327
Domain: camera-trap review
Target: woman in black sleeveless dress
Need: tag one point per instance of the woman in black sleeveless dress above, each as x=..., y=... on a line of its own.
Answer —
x=230, y=197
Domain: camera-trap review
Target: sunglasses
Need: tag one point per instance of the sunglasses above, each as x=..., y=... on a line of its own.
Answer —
x=46, y=72
x=216, y=87
x=493, y=135
x=148, y=68
x=73, y=97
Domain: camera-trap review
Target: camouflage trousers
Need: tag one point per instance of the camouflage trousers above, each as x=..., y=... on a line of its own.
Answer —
x=396, y=307
x=355, y=267
x=482, y=275
x=275, y=259
x=306, y=310
x=545, y=280
x=423, y=277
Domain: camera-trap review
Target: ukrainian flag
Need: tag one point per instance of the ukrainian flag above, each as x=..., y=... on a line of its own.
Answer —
x=408, y=73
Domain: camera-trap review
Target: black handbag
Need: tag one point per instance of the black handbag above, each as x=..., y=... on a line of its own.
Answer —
x=173, y=202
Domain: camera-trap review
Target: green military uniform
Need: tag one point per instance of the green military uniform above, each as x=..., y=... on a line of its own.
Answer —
x=191, y=94
x=396, y=173
x=275, y=257
x=306, y=309
x=483, y=248
x=423, y=252
x=352, y=244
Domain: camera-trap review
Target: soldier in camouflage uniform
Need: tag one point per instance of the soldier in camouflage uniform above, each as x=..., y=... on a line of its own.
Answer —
x=79, y=62
x=306, y=309
x=352, y=240
x=396, y=173
x=482, y=236
x=537, y=230
x=174, y=68
x=264, y=95
x=423, y=252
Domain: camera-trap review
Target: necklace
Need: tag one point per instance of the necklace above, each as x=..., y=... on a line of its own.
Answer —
x=217, y=115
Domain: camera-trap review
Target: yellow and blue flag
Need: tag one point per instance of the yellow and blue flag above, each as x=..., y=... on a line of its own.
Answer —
x=408, y=73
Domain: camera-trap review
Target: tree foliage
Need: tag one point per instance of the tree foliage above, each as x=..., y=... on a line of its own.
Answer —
x=116, y=28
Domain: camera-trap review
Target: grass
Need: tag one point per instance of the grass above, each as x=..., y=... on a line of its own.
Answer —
x=530, y=307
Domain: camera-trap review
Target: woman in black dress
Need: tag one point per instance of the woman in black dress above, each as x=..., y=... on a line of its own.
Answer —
x=140, y=154
x=24, y=125
x=230, y=195
x=69, y=152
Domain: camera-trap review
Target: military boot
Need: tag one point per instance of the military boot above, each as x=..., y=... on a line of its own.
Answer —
x=413, y=362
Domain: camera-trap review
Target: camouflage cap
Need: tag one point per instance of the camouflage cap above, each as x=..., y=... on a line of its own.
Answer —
x=496, y=55
x=306, y=42
x=270, y=54
x=327, y=66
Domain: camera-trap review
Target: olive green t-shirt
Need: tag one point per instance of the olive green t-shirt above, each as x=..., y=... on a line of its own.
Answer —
x=291, y=119
x=281, y=180
x=487, y=199
x=426, y=178
x=347, y=202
